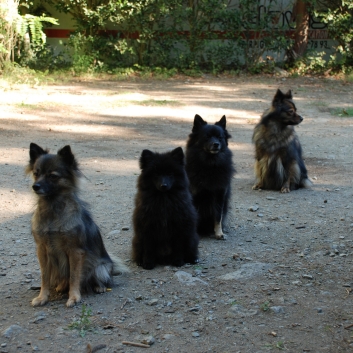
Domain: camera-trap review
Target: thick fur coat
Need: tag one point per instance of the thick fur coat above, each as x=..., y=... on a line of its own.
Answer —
x=70, y=249
x=279, y=163
x=164, y=217
x=209, y=166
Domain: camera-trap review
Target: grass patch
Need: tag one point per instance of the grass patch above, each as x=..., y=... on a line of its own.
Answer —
x=146, y=103
x=349, y=77
x=39, y=106
x=157, y=102
x=14, y=74
x=265, y=306
x=83, y=323
x=343, y=112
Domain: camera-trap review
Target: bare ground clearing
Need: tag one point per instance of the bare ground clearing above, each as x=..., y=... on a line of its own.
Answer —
x=292, y=289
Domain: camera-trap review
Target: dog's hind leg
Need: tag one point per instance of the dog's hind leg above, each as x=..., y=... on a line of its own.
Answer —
x=293, y=180
x=259, y=172
x=76, y=259
x=45, y=276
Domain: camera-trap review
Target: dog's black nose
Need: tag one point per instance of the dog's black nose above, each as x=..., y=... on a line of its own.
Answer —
x=301, y=118
x=215, y=144
x=35, y=187
x=163, y=186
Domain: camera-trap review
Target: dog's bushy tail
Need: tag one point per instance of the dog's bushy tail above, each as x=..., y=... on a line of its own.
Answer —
x=306, y=183
x=119, y=267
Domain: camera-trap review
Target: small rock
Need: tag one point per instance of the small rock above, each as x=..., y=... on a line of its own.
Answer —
x=125, y=228
x=168, y=336
x=260, y=215
x=195, y=334
x=148, y=340
x=277, y=309
x=152, y=302
x=253, y=208
x=39, y=316
x=280, y=72
x=114, y=232
x=12, y=331
x=237, y=311
x=319, y=310
x=187, y=279
x=270, y=198
x=308, y=276
x=35, y=286
x=247, y=270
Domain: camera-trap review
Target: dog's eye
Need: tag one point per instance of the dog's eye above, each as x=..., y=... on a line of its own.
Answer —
x=291, y=111
x=53, y=177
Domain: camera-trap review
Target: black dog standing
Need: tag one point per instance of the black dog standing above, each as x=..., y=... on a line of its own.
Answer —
x=164, y=217
x=210, y=169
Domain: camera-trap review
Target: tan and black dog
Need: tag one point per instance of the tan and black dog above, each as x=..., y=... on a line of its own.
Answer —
x=70, y=249
x=279, y=163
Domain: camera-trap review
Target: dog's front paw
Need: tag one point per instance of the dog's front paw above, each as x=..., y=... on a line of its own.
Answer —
x=73, y=299
x=193, y=260
x=40, y=300
x=148, y=265
x=178, y=262
x=100, y=289
x=257, y=187
x=285, y=190
x=220, y=236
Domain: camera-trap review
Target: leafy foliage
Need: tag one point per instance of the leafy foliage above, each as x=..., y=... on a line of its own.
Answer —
x=339, y=17
x=33, y=25
x=190, y=35
x=20, y=32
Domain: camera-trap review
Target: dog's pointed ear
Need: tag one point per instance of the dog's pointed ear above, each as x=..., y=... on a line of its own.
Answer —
x=35, y=152
x=279, y=96
x=289, y=94
x=198, y=122
x=178, y=155
x=146, y=158
x=67, y=156
x=222, y=123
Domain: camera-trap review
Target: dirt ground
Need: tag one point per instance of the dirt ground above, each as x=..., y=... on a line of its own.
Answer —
x=282, y=280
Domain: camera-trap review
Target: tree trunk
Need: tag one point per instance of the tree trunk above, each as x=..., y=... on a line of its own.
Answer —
x=301, y=17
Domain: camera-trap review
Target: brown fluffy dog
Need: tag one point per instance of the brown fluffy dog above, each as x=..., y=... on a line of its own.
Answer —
x=279, y=163
x=70, y=249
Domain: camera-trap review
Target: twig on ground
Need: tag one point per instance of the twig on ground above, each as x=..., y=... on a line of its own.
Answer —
x=94, y=349
x=124, y=304
x=135, y=344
